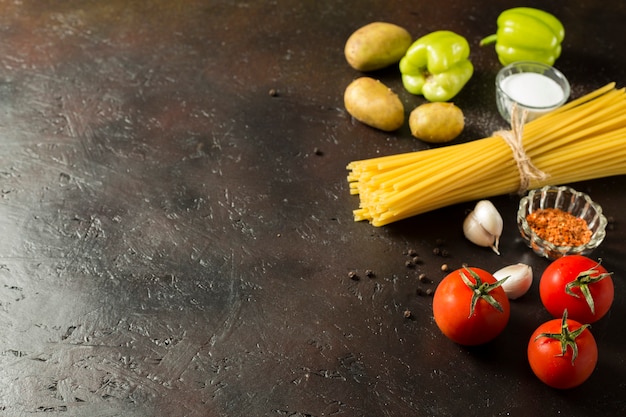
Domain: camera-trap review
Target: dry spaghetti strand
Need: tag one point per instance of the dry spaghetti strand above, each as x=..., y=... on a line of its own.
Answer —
x=562, y=144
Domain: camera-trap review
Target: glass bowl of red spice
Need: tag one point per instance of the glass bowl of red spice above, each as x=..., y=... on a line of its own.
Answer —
x=556, y=221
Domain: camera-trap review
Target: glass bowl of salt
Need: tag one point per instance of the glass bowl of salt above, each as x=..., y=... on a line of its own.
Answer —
x=534, y=88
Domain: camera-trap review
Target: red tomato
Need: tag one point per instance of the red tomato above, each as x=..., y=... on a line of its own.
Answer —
x=552, y=357
x=564, y=283
x=452, y=306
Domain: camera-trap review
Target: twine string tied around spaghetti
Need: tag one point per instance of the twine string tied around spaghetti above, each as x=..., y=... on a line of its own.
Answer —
x=514, y=138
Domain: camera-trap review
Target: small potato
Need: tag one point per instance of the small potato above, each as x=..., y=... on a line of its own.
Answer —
x=376, y=45
x=436, y=122
x=373, y=103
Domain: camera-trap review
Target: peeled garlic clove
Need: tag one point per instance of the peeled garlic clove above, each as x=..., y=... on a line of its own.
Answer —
x=477, y=234
x=488, y=216
x=519, y=281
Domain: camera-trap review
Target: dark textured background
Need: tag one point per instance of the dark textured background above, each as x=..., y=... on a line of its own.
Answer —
x=176, y=241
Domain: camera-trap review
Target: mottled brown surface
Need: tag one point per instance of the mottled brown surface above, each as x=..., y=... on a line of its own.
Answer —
x=176, y=240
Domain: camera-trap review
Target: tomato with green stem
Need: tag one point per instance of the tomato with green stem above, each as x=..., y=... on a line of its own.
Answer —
x=562, y=353
x=579, y=285
x=470, y=307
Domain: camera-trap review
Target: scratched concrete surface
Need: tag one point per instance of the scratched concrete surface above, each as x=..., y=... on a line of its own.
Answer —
x=176, y=239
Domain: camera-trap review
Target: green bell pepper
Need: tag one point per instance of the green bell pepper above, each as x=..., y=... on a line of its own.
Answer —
x=527, y=34
x=437, y=66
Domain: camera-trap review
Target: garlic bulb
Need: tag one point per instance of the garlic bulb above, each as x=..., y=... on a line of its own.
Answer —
x=520, y=278
x=483, y=226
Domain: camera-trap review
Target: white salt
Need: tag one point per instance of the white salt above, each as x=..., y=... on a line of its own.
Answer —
x=533, y=90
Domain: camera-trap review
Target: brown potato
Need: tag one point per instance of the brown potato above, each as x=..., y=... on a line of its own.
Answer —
x=436, y=122
x=373, y=103
x=376, y=45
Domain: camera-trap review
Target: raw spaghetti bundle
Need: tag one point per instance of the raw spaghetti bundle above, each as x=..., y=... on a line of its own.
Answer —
x=582, y=140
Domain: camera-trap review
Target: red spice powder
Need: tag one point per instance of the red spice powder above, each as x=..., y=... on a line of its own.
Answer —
x=559, y=227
